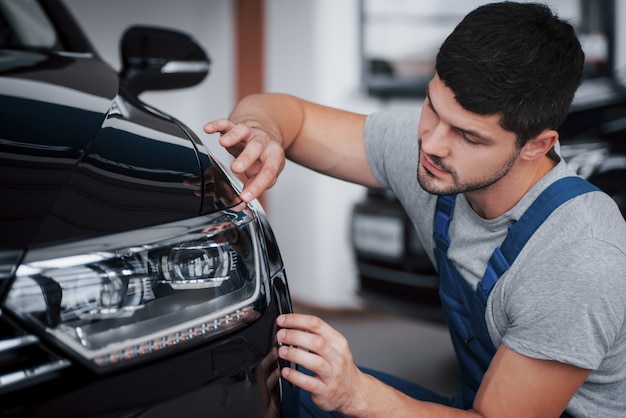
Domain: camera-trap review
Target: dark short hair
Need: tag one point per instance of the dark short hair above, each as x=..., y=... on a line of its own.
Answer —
x=518, y=60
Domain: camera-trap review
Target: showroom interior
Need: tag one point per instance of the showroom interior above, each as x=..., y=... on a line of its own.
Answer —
x=313, y=49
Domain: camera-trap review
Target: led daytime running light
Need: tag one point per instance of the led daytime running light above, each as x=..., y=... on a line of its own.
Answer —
x=170, y=340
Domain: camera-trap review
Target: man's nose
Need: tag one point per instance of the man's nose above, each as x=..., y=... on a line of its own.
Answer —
x=436, y=141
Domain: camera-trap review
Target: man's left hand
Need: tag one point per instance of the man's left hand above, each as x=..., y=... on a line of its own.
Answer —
x=336, y=383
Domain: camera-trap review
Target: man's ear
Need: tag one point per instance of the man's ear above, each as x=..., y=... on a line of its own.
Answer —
x=539, y=145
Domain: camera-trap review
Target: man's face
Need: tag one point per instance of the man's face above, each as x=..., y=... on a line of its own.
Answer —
x=460, y=151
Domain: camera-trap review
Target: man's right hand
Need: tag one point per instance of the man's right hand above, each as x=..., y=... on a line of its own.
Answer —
x=259, y=154
x=265, y=129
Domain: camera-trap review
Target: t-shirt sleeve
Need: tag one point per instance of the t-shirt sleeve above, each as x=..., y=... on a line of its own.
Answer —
x=572, y=311
x=391, y=145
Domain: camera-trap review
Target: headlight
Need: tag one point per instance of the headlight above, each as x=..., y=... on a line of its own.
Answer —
x=130, y=296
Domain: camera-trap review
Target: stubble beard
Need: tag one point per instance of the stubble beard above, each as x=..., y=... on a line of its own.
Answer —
x=429, y=182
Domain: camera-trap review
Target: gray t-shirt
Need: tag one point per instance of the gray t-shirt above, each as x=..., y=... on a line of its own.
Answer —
x=563, y=299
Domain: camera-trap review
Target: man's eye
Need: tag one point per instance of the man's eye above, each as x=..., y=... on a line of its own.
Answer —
x=468, y=139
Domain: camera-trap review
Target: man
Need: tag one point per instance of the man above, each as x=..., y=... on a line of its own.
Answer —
x=532, y=260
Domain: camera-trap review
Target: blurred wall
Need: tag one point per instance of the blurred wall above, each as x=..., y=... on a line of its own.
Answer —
x=313, y=52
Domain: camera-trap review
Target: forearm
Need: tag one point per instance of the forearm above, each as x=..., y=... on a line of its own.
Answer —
x=381, y=400
x=514, y=386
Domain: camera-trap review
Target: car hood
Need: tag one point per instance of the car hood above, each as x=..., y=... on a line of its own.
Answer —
x=72, y=163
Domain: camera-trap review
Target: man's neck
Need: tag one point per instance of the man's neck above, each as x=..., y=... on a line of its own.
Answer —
x=502, y=196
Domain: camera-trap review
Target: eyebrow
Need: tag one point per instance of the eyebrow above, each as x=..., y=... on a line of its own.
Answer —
x=469, y=132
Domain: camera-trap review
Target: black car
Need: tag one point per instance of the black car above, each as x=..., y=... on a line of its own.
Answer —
x=133, y=282
x=394, y=271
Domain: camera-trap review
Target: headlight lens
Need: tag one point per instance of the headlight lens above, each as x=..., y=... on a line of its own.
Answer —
x=130, y=296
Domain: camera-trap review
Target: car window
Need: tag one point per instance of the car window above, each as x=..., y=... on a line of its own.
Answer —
x=24, y=24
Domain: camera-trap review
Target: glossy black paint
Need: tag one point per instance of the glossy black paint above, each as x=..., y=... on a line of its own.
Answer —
x=81, y=156
x=71, y=172
x=56, y=156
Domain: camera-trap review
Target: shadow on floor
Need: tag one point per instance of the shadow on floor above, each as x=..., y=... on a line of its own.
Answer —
x=413, y=349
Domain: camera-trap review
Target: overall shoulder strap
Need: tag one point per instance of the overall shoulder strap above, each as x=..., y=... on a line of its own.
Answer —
x=443, y=217
x=520, y=232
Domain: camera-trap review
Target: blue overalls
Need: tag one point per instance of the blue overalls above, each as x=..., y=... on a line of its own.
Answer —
x=464, y=306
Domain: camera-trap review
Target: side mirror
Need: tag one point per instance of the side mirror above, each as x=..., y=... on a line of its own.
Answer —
x=160, y=59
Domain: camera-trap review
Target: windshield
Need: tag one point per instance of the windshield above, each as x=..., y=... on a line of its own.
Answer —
x=24, y=24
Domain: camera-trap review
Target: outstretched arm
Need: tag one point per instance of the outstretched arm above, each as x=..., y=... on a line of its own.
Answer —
x=514, y=385
x=263, y=129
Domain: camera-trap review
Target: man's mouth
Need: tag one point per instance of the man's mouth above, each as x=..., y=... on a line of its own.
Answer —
x=431, y=167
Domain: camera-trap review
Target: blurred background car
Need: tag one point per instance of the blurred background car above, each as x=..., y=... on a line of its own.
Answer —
x=133, y=282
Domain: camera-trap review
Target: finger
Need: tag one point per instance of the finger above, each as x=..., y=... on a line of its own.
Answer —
x=247, y=157
x=302, y=339
x=265, y=177
x=254, y=169
x=254, y=187
x=235, y=135
x=309, y=323
x=219, y=125
x=304, y=381
x=307, y=359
